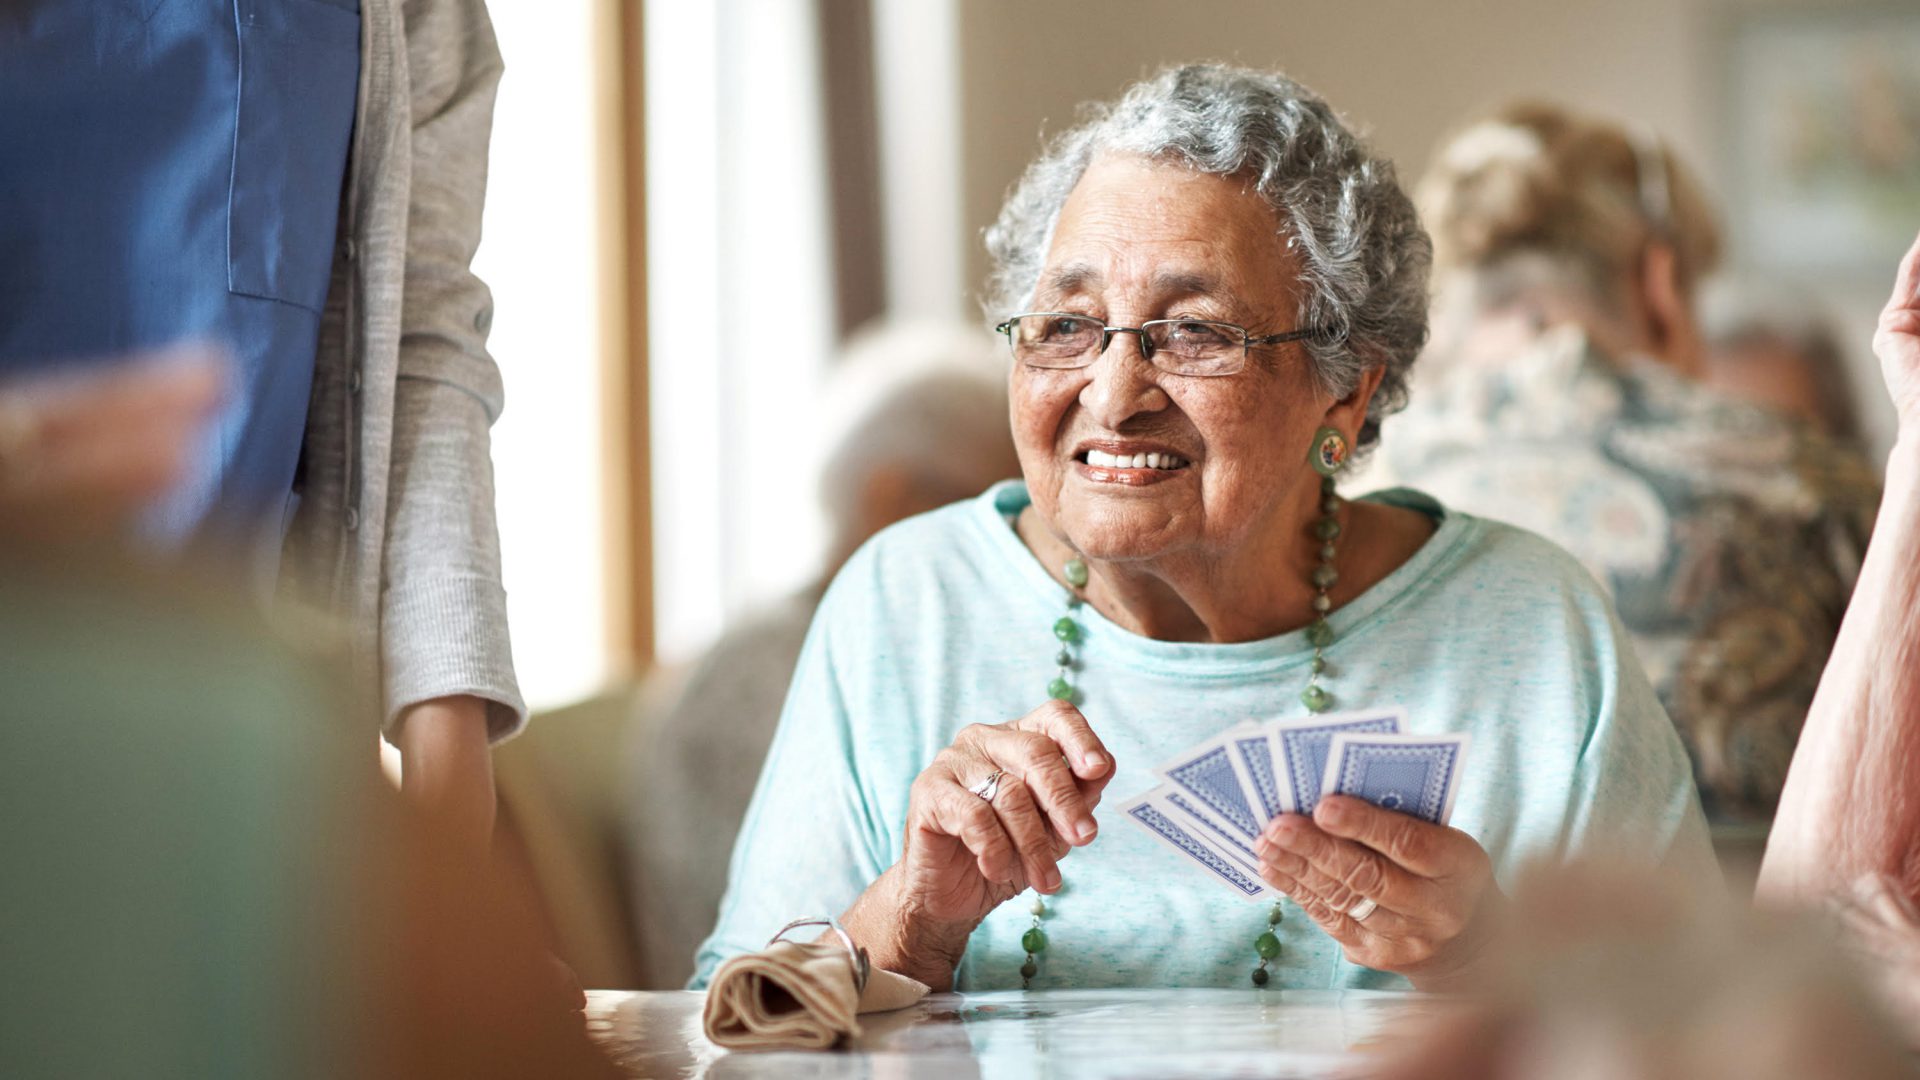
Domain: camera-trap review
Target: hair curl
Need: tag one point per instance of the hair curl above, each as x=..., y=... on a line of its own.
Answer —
x=1363, y=256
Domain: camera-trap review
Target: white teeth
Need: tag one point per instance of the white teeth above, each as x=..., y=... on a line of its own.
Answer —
x=1102, y=459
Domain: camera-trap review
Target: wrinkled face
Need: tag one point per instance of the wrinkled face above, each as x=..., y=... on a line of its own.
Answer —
x=1138, y=240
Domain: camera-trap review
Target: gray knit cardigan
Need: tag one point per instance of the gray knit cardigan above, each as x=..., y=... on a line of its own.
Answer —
x=394, y=537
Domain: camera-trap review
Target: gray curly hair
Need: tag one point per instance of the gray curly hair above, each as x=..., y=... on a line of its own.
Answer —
x=1363, y=256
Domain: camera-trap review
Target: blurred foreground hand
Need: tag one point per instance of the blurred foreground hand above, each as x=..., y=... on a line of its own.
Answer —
x=81, y=453
x=1611, y=974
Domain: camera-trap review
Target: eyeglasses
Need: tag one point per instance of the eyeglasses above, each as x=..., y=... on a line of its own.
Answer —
x=1056, y=340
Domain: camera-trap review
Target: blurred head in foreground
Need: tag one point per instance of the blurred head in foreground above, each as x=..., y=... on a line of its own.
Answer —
x=1542, y=216
x=204, y=874
x=1611, y=974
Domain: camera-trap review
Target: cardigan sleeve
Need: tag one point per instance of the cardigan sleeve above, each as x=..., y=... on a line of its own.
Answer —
x=443, y=611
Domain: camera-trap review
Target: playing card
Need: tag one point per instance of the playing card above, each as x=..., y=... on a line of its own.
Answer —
x=1299, y=748
x=1413, y=774
x=1207, y=827
x=1251, y=751
x=1207, y=775
x=1162, y=823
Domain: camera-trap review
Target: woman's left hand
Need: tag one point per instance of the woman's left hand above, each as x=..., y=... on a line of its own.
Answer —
x=1432, y=888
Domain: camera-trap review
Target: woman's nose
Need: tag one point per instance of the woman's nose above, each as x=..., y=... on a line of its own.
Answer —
x=1122, y=383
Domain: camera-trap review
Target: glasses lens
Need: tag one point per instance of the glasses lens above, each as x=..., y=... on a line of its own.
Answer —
x=1050, y=340
x=1195, y=347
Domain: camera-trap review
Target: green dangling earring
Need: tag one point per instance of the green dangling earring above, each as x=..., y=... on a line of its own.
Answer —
x=1329, y=452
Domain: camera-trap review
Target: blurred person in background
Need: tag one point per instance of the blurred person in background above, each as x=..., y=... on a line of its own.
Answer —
x=1772, y=347
x=1605, y=972
x=296, y=185
x=1560, y=393
x=915, y=417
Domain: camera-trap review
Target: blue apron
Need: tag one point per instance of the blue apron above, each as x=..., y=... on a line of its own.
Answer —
x=172, y=170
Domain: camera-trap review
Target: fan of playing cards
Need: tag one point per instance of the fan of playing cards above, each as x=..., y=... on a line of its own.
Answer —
x=1219, y=795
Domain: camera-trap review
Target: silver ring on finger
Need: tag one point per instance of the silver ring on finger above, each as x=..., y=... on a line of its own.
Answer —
x=989, y=787
x=1360, y=911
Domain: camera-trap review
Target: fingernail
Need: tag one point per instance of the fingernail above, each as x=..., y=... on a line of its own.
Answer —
x=1085, y=830
x=1261, y=845
x=1332, y=812
x=1053, y=878
x=1093, y=761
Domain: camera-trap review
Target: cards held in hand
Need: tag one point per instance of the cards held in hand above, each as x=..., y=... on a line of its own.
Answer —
x=1217, y=797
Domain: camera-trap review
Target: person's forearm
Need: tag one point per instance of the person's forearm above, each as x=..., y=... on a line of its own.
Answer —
x=896, y=940
x=1851, y=805
x=447, y=767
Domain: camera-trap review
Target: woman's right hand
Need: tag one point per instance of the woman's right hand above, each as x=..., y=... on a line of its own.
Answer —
x=1897, y=343
x=965, y=855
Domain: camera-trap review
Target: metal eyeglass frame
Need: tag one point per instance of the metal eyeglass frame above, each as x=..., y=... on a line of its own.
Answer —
x=1247, y=341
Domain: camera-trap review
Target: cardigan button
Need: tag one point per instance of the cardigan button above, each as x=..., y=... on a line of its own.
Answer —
x=352, y=249
x=353, y=518
x=353, y=381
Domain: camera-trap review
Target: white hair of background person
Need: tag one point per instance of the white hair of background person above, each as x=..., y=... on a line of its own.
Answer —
x=925, y=396
x=1363, y=257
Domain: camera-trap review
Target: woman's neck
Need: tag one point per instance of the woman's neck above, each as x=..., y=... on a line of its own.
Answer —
x=1260, y=590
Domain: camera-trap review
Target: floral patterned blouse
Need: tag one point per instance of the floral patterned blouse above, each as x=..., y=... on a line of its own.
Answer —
x=1729, y=536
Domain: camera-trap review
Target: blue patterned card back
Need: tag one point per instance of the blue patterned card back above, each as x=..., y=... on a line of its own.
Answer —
x=1162, y=827
x=1302, y=746
x=1410, y=774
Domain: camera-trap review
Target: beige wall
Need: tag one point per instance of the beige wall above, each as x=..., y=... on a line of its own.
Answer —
x=1405, y=71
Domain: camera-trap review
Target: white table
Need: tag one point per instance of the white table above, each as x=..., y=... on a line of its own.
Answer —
x=1044, y=1033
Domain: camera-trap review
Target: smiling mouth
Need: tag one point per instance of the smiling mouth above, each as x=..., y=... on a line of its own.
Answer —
x=1100, y=459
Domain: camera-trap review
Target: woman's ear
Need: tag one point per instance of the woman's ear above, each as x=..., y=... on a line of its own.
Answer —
x=1348, y=413
x=1672, y=334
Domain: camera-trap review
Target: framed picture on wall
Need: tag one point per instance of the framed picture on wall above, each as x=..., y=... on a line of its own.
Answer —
x=1822, y=124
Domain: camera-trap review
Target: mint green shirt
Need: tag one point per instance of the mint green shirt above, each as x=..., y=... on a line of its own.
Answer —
x=946, y=620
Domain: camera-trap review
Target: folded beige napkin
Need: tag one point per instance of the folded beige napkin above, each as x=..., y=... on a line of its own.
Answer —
x=796, y=995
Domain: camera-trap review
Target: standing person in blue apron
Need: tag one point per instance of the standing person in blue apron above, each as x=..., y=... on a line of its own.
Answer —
x=281, y=199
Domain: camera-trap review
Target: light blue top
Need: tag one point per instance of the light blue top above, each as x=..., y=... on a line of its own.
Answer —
x=946, y=620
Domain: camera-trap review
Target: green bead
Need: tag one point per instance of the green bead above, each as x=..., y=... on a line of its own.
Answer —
x=1327, y=552
x=1319, y=664
x=1260, y=976
x=1330, y=505
x=1034, y=940
x=1315, y=699
x=1066, y=629
x=1029, y=969
x=1322, y=603
x=1060, y=689
x=1320, y=633
x=1326, y=485
x=1327, y=529
x=1324, y=577
x=1063, y=658
x=1076, y=572
x=1267, y=945
x=1274, y=916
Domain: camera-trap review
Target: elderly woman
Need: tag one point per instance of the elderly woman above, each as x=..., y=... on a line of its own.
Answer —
x=1213, y=291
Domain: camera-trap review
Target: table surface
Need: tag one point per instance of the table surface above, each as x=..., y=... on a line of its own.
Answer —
x=1043, y=1033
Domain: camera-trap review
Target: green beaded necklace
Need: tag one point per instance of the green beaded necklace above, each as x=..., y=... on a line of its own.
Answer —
x=1315, y=697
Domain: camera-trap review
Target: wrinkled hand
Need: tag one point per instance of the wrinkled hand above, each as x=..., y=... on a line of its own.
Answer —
x=1897, y=342
x=1432, y=886
x=82, y=453
x=965, y=856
